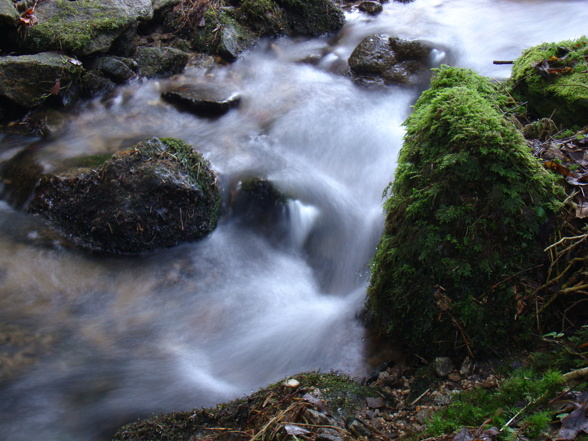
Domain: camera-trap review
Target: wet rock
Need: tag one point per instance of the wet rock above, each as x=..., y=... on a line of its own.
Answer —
x=83, y=27
x=381, y=59
x=370, y=7
x=157, y=194
x=8, y=14
x=373, y=55
x=28, y=80
x=203, y=99
x=164, y=61
x=375, y=403
x=20, y=175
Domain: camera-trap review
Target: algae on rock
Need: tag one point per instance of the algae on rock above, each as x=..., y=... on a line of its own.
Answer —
x=552, y=79
x=462, y=224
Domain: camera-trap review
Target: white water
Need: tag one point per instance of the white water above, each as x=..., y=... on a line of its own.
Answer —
x=203, y=323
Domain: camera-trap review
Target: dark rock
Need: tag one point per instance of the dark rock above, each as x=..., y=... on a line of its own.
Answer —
x=28, y=80
x=115, y=68
x=373, y=55
x=93, y=84
x=381, y=59
x=312, y=18
x=157, y=194
x=155, y=61
x=83, y=27
x=370, y=7
x=20, y=176
x=203, y=99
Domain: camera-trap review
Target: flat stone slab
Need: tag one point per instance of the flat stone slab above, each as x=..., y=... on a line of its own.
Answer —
x=203, y=99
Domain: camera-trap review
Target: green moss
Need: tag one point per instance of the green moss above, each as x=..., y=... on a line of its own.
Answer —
x=552, y=79
x=495, y=407
x=263, y=16
x=75, y=26
x=463, y=218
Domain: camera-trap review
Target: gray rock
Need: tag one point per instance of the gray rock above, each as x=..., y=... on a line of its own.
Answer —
x=83, y=27
x=28, y=80
x=203, y=99
x=8, y=13
x=160, y=61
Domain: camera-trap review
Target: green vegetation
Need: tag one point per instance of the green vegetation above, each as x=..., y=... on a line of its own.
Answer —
x=260, y=416
x=551, y=78
x=496, y=407
x=69, y=30
x=462, y=226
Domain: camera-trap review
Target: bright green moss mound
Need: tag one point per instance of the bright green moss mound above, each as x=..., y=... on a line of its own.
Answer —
x=552, y=79
x=463, y=219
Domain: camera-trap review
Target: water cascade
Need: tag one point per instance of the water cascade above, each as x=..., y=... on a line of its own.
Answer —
x=91, y=342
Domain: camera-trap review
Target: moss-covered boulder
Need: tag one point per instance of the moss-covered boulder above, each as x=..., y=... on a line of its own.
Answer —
x=551, y=78
x=159, y=193
x=462, y=225
x=28, y=80
x=310, y=405
x=312, y=18
x=83, y=27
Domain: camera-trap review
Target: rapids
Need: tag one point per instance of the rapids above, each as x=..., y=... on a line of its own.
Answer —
x=91, y=342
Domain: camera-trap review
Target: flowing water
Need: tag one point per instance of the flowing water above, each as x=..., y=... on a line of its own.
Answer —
x=90, y=342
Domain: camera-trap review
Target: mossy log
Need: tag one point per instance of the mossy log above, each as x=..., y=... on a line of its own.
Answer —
x=463, y=223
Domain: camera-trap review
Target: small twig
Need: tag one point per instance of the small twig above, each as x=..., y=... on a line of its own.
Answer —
x=419, y=397
x=502, y=62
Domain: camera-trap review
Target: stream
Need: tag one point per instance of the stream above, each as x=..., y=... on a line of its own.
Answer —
x=90, y=342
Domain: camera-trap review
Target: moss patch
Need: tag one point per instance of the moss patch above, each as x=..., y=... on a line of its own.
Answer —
x=462, y=227
x=80, y=27
x=553, y=79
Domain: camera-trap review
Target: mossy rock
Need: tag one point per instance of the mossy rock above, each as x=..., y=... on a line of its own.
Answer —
x=462, y=224
x=223, y=35
x=157, y=194
x=28, y=80
x=312, y=18
x=83, y=27
x=331, y=398
x=551, y=78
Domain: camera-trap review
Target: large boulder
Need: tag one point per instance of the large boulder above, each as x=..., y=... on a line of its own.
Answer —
x=28, y=80
x=312, y=18
x=551, y=79
x=463, y=223
x=83, y=27
x=159, y=193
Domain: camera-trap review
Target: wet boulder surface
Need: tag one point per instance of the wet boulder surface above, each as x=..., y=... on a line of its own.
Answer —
x=157, y=194
x=203, y=99
x=382, y=59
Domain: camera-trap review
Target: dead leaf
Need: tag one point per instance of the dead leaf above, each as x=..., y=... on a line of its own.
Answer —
x=463, y=435
x=582, y=210
x=56, y=87
x=557, y=167
x=28, y=18
x=573, y=424
x=296, y=430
